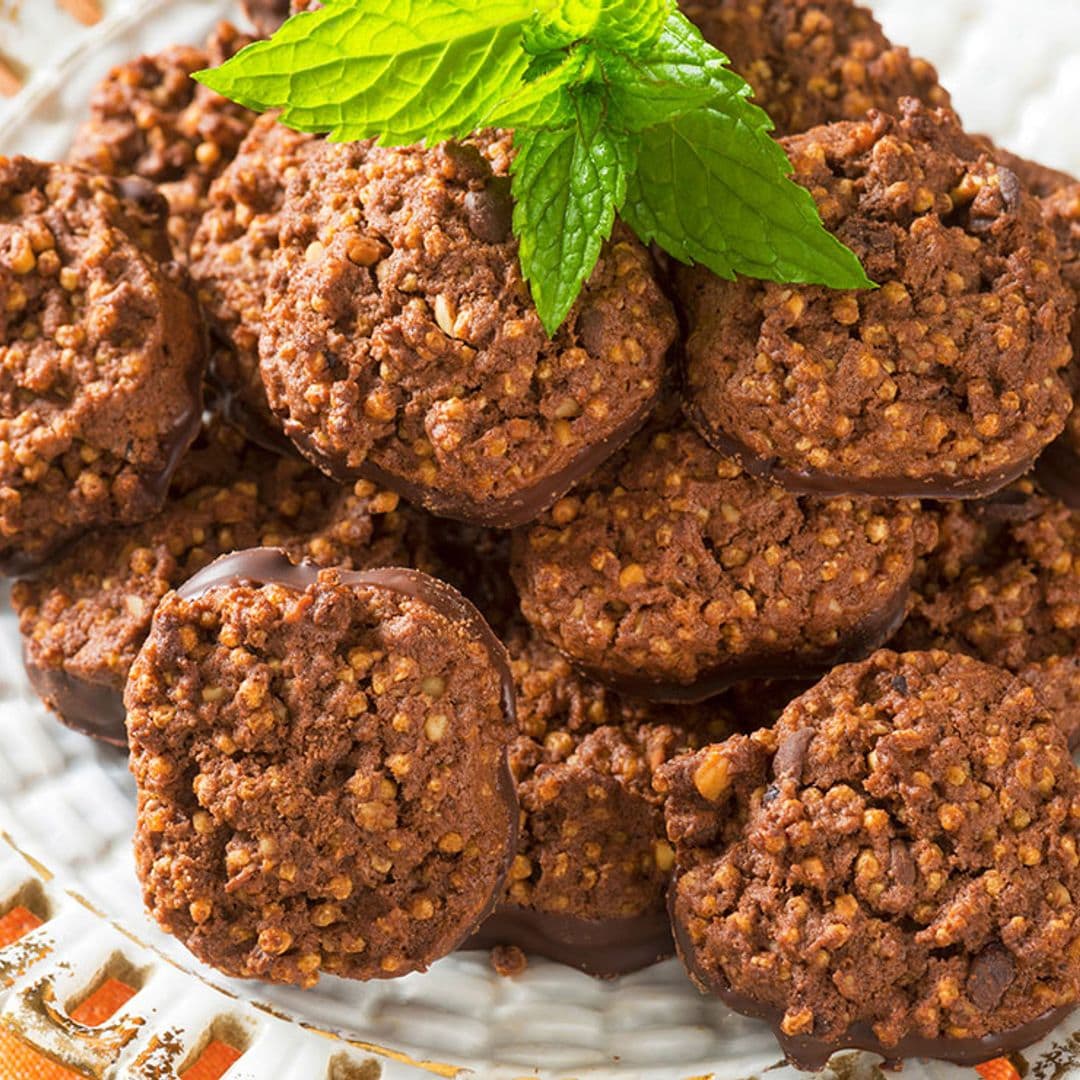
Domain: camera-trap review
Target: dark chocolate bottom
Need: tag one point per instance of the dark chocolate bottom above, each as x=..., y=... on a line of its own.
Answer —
x=506, y=513
x=813, y=482
x=88, y=708
x=811, y=1054
x=601, y=947
x=1058, y=473
x=870, y=634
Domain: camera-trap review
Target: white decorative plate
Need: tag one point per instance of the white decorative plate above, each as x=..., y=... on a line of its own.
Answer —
x=1014, y=70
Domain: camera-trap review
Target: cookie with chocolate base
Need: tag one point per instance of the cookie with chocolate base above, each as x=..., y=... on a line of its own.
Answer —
x=103, y=349
x=947, y=381
x=321, y=766
x=890, y=868
x=588, y=883
x=673, y=573
x=399, y=340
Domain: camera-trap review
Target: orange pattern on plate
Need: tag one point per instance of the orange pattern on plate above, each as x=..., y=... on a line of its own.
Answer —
x=213, y=1062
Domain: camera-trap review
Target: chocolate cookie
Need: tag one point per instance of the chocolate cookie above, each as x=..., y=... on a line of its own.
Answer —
x=891, y=868
x=399, y=340
x=1058, y=469
x=85, y=616
x=103, y=352
x=321, y=763
x=231, y=256
x=812, y=62
x=1005, y=587
x=588, y=884
x=149, y=118
x=947, y=380
x=673, y=573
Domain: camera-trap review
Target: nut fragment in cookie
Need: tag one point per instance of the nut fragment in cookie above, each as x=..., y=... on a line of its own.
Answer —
x=672, y=573
x=85, y=615
x=587, y=886
x=1058, y=469
x=321, y=764
x=1004, y=586
x=811, y=62
x=399, y=340
x=149, y=118
x=231, y=256
x=948, y=380
x=893, y=867
x=103, y=353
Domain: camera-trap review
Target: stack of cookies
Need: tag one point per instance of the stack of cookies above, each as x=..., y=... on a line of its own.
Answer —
x=737, y=619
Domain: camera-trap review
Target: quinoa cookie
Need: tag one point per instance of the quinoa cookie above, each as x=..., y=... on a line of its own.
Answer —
x=103, y=354
x=321, y=764
x=231, y=256
x=85, y=616
x=1059, y=468
x=812, y=62
x=891, y=868
x=1006, y=589
x=588, y=883
x=399, y=340
x=149, y=118
x=947, y=380
x=673, y=573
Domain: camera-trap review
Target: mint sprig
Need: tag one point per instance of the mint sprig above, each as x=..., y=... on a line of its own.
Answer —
x=619, y=107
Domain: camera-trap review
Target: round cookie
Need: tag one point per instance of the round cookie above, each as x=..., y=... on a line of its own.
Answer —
x=948, y=380
x=321, y=764
x=149, y=118
x=103, y=353
x=1059, y=468
x=85, y=615
x=811, y=62
x=399, y=341
x=1004, y=586
x=231, y=256
x=672, y=573
x=891, y=868
x=587, y=887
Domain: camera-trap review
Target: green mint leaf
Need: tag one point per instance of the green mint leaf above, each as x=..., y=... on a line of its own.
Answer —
x=712, y=187
x=625, y=25
x=680, y=71
x=401, y=70
x=568, y=184
x=545, y=101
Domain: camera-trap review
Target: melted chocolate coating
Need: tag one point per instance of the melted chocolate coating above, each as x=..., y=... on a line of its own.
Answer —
x=88, y=708
x=601, y=947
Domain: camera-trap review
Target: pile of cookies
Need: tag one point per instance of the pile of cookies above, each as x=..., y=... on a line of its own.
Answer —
x=771, y=647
